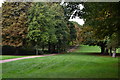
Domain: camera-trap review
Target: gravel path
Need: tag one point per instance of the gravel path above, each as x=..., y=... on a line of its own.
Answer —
x=9, y=60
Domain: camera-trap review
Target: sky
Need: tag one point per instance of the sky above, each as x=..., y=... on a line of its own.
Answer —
x=76, y=19
x=1, y=1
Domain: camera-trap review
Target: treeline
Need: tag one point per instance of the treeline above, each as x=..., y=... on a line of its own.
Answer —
x=102, y=24
x=38, y=26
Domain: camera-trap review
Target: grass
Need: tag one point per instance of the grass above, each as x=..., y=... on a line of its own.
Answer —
x=89, y=49
x=92, y=49
x=69, y=65
x=3, y=57
x=118, y=50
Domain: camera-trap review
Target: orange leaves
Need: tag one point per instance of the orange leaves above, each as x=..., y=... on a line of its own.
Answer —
x=14, y=26
x=14, y=23
x=100, y=18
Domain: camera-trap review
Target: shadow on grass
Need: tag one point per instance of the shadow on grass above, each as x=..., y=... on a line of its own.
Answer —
x=92, y=54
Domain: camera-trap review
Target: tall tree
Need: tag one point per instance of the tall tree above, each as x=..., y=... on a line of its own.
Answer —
x=47, y=26
x=72, y=31
x=39, y=18
x=14, y=23
x=104, y=17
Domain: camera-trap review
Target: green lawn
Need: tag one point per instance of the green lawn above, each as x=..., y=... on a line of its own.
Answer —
x=69, y=65
x=118, y=50
x=89, y=49
x=92, y=49
x=3, y=57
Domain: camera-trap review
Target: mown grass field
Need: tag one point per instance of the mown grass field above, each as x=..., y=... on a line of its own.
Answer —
x=92, y=49
x=76, y=64
x=88, y=49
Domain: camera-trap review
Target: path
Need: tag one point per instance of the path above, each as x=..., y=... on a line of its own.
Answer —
x=73, y=49
x=14, y=59
x=9, y=60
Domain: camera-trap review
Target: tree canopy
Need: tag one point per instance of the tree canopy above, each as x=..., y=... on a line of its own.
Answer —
x=14, y=23
x=47, y=25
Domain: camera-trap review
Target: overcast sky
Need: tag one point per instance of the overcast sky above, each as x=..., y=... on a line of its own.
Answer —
x=1, y=1
x=77, y=19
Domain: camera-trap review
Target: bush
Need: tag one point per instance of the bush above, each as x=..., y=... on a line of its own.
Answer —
x=26, y=51
x=10, y=50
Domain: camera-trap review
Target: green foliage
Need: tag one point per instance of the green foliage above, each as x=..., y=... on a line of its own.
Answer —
x=113, y=42
x=104, y=18
x=73, y=31
x=47, y=26
x=42, y=25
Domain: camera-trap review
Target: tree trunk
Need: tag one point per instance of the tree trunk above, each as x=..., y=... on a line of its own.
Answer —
x=43, y=48
x=114, y=53
x=49, y=47
x=110, y=53
x=57, y=48
x=54, y=48
x=36, y=52
x=102, y=49
x=106, y=51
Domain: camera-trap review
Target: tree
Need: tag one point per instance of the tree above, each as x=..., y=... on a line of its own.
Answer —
x=105, y=22
x=58, y=31
x=0, y=25
x=14, y=23
x=47, y=26
x=38, y=25
x=72, y=31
